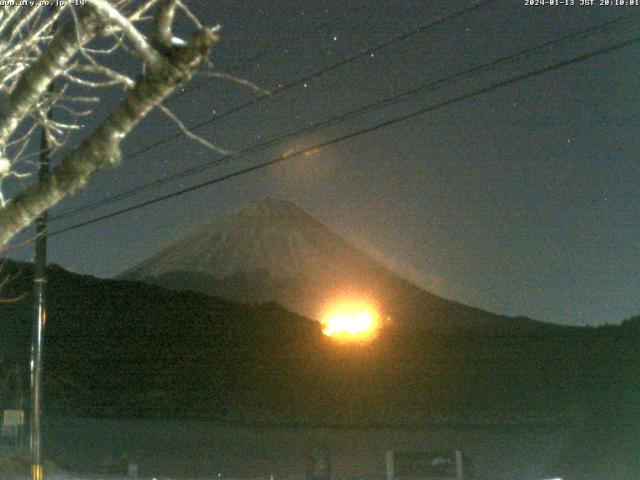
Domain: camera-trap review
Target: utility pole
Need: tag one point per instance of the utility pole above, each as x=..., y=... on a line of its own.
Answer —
x=40, y=308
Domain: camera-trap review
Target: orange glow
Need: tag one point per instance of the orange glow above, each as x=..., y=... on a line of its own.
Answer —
x=351, y=321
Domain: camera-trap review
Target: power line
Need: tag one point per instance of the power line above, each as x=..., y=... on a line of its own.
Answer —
x=364, y=53
x=428, y=87
x=357, y=133
x=251, y=59
x=388, y=43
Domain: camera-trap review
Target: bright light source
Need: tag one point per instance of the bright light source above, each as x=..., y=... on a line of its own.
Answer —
x=350, y=321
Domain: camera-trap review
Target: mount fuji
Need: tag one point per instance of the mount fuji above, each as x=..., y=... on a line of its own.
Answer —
x=273, y=251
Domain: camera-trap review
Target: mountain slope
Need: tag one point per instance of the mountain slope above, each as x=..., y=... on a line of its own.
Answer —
x=274, y=251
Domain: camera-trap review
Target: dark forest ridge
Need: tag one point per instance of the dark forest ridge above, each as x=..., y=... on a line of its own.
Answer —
x=125, y=349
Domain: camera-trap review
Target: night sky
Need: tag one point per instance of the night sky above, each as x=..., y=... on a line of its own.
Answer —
x=522, y=201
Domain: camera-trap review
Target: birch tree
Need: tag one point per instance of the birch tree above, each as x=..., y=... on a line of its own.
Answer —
x=68, y=44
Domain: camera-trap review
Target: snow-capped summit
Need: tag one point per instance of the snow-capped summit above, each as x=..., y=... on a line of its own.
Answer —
x=273, y=236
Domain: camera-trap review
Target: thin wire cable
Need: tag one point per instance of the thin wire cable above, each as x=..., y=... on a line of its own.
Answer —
x=394, y=40
x=357, y=133
x=251, y=59
x=428, y=87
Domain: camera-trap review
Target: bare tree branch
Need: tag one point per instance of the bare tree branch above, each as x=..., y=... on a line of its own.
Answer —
x=240, y=81
x=34, y=81
x=150, y=56
x=164, y=22
x=102, y=148
x=188, y=133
